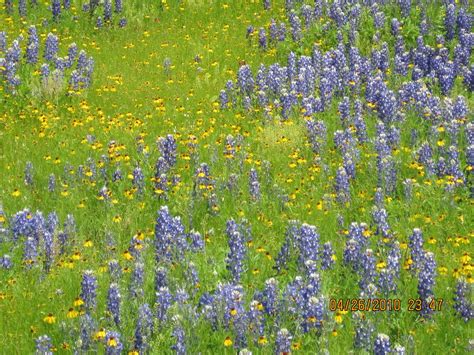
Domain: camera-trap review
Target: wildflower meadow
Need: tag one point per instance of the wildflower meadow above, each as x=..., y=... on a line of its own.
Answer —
x=236, y=177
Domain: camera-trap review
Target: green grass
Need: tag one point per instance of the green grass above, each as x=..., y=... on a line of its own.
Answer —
x=132, y=96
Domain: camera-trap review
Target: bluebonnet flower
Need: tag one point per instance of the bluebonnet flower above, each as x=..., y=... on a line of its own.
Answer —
x=382, y=345
x=144, y=328
x=446, y=77
x=283, y=342
x=22, y=224
x=44, y=345
x=56, y=9
x=75, y=80
x=51, y=47
x=262, y=38
x=247, y=103
x=122, y=22
x=223, y=99
x=270, y=296
x=287, y=101
x=196, y=241
x=13, y=53
x=327, y=256
x=170, y=239
x=305, y=80
x=399, y=350
x=349, y=166
x=416, y=248
x=426, y=281
x=180, y=346
x=368, y=271
x=238, y=235
x=344, y=111
x=67, y=4
x=313, y=314
x=63, y=239
x=117, y=175
x=450, y=21
x=113, y=302
x=250, y=31
x=48, y=249
x=32, y=49
x=379, y=19
x=307, y=240
x=22, y=8
x=462, y=300
x=295, y=296
x=343, y=194
x=356, y=242
x=379, y=215
x=163, y=303
x=29, y=174
x=405, y=7
x=318, y=8
x=137, y=280
x=107, y=11
x=193, y=277
x=282, y=259
x=113, y=346
x=273, y=30
x=313, y=281
x=161, y=277
x=425, y=157
x=6, y=262
x=266, y=4
x=307, y=14
x=337, y=14
x=254, y=184
x=386, y=281
x=118, y=6
x=464, y=20
x=138, y=179
x=395, y=27
x=181, y=297
x=115, y=270
x=295, y=25
x=256, y=319
x=282, y=32
x=3, y=41
x=241, y=328
x=89, y=290
x=87, y=327
x=408, y=188
x=99, y=23
x=168, y=149
x=245, y=80
x=30, y=251
x=363, y=331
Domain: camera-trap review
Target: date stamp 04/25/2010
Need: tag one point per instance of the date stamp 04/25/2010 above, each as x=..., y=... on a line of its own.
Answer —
x=384, y=304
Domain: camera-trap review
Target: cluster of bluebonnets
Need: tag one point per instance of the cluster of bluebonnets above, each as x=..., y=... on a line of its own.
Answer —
x=102, y=11
x=389, y=84
x=25, y=62
x=299, y=304
x=176, y=303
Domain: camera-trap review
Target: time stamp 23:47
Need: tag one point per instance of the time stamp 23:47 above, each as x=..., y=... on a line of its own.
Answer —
x=384, y=304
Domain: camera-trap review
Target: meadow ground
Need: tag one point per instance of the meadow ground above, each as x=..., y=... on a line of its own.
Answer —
x=374, y=148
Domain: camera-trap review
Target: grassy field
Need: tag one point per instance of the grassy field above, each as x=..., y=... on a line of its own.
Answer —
x=162, y=74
